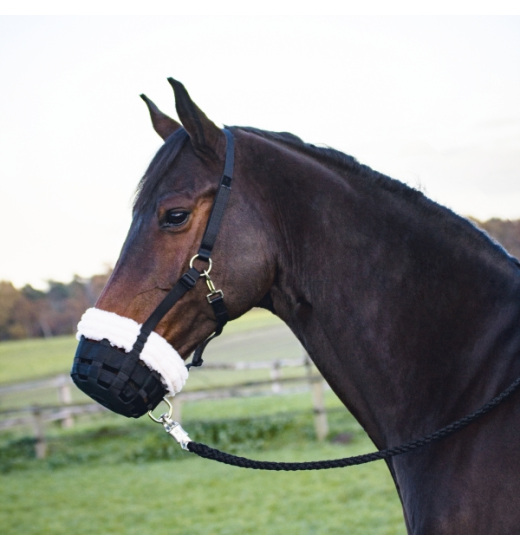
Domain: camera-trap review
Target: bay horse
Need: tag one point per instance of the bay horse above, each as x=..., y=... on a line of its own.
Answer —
x=410, y=312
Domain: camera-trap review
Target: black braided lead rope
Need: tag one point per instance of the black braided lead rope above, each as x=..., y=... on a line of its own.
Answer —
x=207, y=452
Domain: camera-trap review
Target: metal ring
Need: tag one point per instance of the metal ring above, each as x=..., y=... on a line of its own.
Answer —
x=205, y=273
x=166, y=416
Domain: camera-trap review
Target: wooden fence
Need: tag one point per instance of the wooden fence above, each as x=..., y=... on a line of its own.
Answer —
x=65, y=411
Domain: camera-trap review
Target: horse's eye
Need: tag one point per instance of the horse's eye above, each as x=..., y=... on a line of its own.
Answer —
x=175, y=218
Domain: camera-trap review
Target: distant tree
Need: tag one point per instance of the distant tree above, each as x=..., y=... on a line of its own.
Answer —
x=14, y=312
x=37, y=300
x=505, y=232
x=30, y=313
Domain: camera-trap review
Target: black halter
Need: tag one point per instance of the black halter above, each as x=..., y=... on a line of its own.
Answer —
x=190, y=278
x=119, y=380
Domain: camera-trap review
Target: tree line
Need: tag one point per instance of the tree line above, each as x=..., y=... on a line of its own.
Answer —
x=505, y=232
x=32, y=313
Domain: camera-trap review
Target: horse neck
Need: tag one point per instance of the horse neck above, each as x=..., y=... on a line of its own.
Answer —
x=405, y=308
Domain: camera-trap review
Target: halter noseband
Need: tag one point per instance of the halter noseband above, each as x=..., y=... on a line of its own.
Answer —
x=119, y=379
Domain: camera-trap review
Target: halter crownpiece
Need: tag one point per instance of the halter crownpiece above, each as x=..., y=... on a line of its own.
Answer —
x=129, y=368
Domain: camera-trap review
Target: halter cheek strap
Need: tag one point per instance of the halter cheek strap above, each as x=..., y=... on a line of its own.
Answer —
x=128, y=367
x=190, y=278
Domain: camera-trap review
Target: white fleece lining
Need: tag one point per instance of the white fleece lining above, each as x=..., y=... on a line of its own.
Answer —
x=121, y=332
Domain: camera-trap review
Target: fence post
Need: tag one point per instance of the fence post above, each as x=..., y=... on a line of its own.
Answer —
x=40, y=445
x=65, y=396
x=275, y=376
x=321, y=424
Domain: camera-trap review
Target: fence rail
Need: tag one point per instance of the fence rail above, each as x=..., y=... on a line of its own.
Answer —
x=66, y=411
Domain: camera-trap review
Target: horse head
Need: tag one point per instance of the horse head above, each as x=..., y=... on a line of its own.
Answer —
x=155, y=309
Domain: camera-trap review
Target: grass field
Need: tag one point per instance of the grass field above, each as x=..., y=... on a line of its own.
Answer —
x=112, y=475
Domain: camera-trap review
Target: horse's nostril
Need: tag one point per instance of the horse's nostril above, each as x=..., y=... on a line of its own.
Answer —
x=116, y=379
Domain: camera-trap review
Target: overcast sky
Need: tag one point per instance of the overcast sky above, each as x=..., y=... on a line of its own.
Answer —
x=432, y=101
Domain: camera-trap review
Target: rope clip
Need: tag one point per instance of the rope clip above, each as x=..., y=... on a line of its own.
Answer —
x=171, y=427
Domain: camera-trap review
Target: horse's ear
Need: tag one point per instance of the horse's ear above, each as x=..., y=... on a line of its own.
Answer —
x=203, y=133
x=162, y=124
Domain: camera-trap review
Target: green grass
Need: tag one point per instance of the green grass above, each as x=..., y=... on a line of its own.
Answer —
x=29, y=359
x=112, y=475
x=120, y=476
x=125, y=476
x=195, y=497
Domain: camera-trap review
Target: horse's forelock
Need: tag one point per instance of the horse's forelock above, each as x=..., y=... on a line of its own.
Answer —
x=161, y=163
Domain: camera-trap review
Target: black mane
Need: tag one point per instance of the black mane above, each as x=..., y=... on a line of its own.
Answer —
x=344, y=162
x=338, y=160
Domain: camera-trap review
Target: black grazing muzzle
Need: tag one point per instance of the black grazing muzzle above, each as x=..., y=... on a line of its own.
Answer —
x=119, y=379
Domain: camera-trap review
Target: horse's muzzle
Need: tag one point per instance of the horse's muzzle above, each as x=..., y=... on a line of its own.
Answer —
x=123, y=372
x=118, y=380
